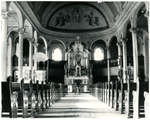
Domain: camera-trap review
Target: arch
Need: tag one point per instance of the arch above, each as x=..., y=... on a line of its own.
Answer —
x=113, y=48
x=26, y=45
x=19, y=14
x=125, y=28
x=57, y=54
x=45, y=43
x=98, y=44
x=95, y=41
x=56, y=44
x=41, y=46
x=58, y=40
x=98, y=54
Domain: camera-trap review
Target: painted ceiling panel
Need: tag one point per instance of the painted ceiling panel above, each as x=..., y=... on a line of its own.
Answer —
x=77, y=17
x=74, y=16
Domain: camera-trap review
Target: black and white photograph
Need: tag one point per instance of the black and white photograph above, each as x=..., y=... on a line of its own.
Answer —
x=75, y=59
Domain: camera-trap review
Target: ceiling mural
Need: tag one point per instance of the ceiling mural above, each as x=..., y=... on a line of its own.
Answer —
x=73, y=17
x=77, y=17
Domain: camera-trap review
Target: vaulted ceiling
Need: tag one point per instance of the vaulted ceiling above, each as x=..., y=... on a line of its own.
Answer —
x=73, y=16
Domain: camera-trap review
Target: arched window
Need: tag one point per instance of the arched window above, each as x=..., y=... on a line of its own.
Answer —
x=98, y=54
x=57, y=54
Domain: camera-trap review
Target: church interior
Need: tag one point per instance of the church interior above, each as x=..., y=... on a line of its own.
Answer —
x=75, y=59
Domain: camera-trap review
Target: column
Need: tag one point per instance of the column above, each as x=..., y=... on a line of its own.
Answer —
x=3, y=42
x=9, y=59
x=108, y=72
x=148, y=7
x=124, y=48
x=120, y=69
x=147, y=4
x=116, y=87
x=104, y=91
x=128, y=89
x=112, y=95
x=20, y=57
x=35, y=49
x=125, y=80
x=30, y=56
x=135, y=74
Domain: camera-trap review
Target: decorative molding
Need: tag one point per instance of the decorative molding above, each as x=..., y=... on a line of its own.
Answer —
x=21, y=30
x=119, y=43
x=4, y=14
x=146, y=14
x=136, y=30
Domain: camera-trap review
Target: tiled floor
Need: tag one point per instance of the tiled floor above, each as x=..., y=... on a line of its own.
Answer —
x=81, y=106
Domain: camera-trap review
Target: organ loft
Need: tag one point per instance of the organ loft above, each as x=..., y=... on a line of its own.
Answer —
x=75, y=59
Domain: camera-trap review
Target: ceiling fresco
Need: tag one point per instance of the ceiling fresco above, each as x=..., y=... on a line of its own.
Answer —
x=77, y=17
x=72, y=17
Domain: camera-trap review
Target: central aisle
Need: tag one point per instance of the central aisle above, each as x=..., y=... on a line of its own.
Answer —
x=83, y=106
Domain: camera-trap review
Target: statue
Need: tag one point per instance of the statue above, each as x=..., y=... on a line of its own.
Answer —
x=76, y=18
x=60, y=20
x=92, y=19
x=78, y=70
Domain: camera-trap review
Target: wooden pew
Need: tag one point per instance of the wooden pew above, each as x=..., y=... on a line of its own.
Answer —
x=10, y=97
x=6, y=100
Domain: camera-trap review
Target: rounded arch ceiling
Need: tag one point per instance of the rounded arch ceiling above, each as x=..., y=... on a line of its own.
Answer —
x=75, y=16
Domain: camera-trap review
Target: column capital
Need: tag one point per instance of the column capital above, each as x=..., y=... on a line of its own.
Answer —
x=35, y=44
x=146, y=14
x=107, y=47
x=119, y=43
x=31, y=40
x=135, y=29
x=21, y=30
x=124, y=40
x=4, y=14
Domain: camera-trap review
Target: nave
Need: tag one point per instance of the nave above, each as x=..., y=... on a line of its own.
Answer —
x=82, y=105
x=51, y=50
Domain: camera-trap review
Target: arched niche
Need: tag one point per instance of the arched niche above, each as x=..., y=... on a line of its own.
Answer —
x=101, y=45
x=25, y=52
x=113, y=48
x=13, y=54
x=56, y=45
x=57, y=54
x=15, y=48
x=12, y=58
x=42, y=45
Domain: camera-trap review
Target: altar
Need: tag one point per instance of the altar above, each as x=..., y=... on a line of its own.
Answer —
x=77, y=68
x=81, y=81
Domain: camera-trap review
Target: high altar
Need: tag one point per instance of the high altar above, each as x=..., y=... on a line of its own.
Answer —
x=77, y=69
